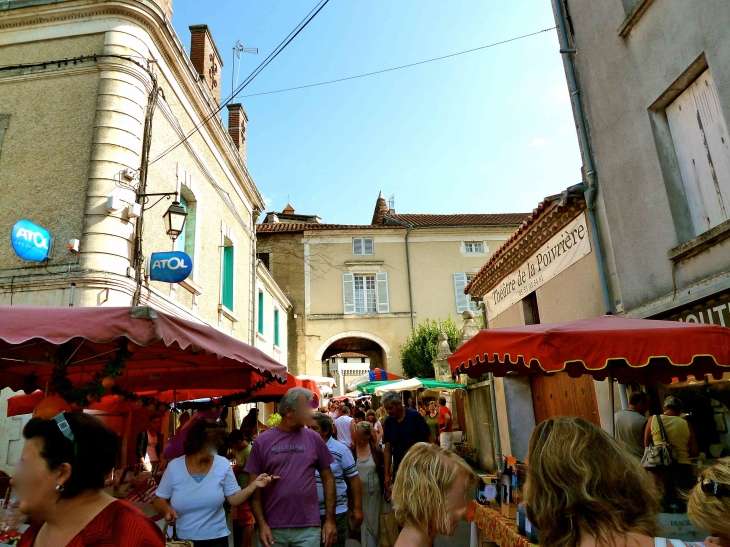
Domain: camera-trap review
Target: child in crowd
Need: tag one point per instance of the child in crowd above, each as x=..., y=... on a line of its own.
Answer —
x=430, y=494
x=709, y=503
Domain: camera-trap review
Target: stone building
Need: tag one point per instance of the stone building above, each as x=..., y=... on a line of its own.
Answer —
x=82, y=86
x=362, y=288
x=651, y=88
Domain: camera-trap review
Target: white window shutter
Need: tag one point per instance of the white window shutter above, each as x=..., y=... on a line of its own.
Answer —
x=357, y=246
x=381, y=289
x=462, y=300
x=367, y=246
x=348, y=292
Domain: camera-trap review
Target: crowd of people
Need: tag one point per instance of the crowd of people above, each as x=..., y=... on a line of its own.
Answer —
x=300, y=485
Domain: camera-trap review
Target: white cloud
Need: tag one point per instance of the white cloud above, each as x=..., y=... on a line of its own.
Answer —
x=538, y=142
x=267, y=201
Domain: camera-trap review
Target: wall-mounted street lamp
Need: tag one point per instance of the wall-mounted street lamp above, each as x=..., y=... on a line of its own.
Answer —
x=175, y=220
x=175, y=215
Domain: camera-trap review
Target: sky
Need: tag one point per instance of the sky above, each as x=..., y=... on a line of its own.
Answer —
x=486, y=132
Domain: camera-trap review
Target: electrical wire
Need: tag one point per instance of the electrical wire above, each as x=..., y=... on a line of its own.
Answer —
x=401, y=66
x=282, y=45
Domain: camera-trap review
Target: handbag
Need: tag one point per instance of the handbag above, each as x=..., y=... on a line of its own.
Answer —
x=175, y=541
x=660, y=455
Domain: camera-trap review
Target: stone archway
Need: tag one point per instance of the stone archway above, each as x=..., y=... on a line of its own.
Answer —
x=358, y=342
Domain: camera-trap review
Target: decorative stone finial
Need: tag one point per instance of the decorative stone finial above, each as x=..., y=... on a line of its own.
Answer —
x=444, y=351
x=470, y=329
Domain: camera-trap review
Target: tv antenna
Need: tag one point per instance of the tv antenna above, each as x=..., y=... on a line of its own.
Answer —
x=237, y=50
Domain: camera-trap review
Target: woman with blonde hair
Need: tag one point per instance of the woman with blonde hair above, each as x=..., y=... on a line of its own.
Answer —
x=709, y=503
x=429, y=495
x=583, y=490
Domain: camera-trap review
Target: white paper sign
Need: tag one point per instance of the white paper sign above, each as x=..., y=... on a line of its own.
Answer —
x=561, y=251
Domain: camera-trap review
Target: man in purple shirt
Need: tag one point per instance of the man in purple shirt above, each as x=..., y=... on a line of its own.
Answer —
x=287, y=514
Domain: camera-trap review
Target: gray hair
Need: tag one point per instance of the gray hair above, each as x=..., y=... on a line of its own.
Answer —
x=390, y=397
x=324, y=422
x=674, y=403
x=364, y=425
x=290, y=398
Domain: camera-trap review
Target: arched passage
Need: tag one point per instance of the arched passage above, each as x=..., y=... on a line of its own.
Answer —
x=352, y=342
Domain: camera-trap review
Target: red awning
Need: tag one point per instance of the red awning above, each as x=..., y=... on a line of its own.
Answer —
x=642, y=350
x=25, y=404
x=269, y=393
x=167, y=352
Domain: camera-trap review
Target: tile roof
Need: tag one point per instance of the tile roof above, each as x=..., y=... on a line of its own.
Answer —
x=423, y=221
x=293, y=227
x=544, y=208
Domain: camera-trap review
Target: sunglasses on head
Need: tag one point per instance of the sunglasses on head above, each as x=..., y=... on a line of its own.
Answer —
x=314, y=403
x=65, y=428
x=714, y=488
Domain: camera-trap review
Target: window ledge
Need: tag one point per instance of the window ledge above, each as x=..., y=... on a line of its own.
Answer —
x=228, y=313
x=364, y=262
x=701, y=243
x=277, y=349
x=260, y=336
x=191, y=286
x=320, y=316
x=633, y=17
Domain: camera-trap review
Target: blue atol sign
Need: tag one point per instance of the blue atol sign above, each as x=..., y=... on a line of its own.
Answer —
x=30, y=241
x=170, y=267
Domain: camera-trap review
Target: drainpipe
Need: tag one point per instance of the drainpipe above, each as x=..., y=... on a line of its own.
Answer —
x=252, y=296
x=591, y=188
x=408, y=227
x=493, y=401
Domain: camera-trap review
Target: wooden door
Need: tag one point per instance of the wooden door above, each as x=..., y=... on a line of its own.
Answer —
x=558, y=394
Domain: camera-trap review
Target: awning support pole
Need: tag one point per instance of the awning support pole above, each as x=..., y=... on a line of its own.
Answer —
x=623, y=397
x=613, y=403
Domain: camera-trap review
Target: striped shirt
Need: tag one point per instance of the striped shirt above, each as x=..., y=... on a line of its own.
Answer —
x=343, y=466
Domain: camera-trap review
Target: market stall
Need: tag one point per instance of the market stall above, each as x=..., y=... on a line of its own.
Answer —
x=123, y=364
x=647, y=352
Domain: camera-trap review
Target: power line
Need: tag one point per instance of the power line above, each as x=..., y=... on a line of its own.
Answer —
x=400, y=67
x=293, y=34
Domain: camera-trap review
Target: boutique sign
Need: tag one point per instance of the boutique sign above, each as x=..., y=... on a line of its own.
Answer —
x=170, y=267
x=31, y=242
x=561, y=251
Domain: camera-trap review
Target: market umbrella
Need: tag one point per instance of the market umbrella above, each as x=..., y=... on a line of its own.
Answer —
x=375, y=375
x=379, y=388
x=25, y=404
x=642, y=350
x=166, y=352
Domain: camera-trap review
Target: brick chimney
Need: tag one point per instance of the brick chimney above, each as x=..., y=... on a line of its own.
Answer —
x=206, y=59
x=237, y=120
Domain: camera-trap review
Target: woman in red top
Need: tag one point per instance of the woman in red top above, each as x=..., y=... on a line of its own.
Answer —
x=59, y=480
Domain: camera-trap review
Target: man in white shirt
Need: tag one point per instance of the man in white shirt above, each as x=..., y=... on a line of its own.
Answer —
x=342, y=424
x=149, y=443
x=344, y=469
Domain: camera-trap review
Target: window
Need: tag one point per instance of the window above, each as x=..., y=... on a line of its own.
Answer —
x=276, y=328
x=365, y=293
x=473, y=247
x=227, y=275
x=261, y=313
x=180, y=241
x=365, y=300
x=463, y=301
x=700, y=137
x=362, y=246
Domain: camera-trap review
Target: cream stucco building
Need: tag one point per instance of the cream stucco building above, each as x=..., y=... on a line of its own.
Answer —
x=83, y=84
x=362, y=288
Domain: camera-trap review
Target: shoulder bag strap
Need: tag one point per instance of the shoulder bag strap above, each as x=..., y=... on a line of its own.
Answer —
x=661, y=429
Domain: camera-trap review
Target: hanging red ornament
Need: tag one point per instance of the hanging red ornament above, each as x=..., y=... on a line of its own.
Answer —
x=107, y=382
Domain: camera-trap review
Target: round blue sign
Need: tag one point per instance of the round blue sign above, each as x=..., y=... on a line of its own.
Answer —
x=170, y=267
x=30, y=241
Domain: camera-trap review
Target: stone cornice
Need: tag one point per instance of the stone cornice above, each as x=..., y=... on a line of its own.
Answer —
x=148, y=15
x=541, y=226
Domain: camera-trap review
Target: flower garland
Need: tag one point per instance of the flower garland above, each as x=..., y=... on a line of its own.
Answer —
x=96, y=388
x=146, y=401
x=228, y=400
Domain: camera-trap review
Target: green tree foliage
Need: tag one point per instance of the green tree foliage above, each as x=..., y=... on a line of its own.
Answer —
x=420, y=348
